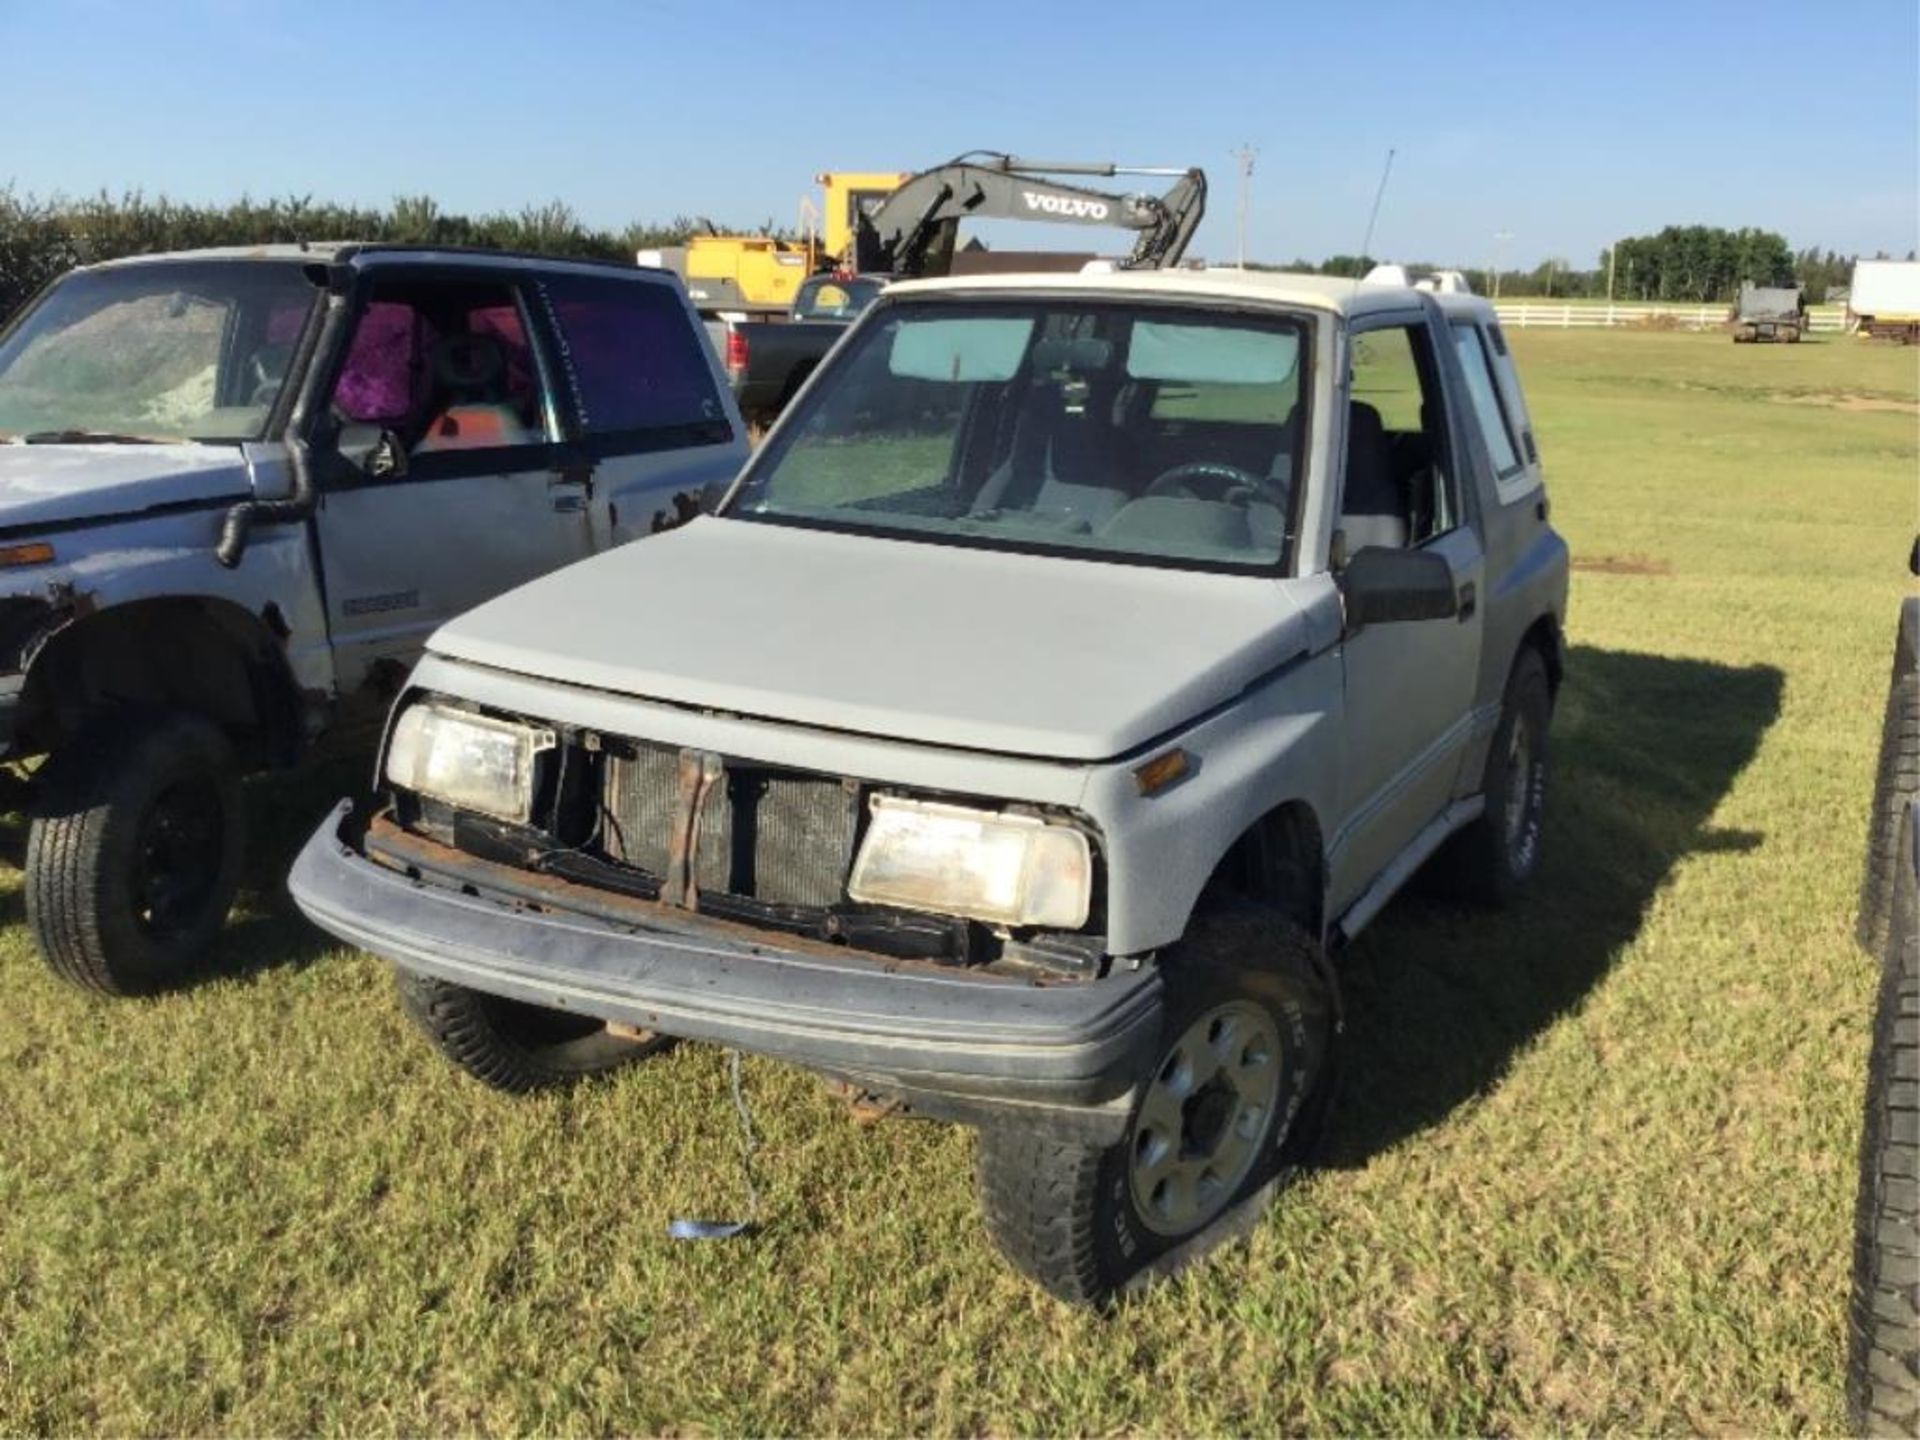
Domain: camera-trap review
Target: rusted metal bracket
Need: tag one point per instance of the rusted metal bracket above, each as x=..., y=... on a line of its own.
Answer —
x=699, y=770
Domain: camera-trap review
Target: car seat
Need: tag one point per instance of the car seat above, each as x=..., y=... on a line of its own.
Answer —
x=1065, y=462
x=1373, y=509
x=470, y=374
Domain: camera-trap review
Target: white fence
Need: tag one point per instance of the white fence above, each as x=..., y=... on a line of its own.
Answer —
x=1574, y=315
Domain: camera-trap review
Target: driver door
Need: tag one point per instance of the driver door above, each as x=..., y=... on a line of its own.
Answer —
x=449, y=485
x=1410, y=684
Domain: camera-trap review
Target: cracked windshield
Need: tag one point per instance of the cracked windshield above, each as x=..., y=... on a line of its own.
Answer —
x=1122, y=431
x=154, y=353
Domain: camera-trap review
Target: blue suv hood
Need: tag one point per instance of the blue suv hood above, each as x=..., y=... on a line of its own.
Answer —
x=55, y=485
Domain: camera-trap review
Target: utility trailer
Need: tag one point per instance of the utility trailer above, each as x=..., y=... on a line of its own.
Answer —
x=1769, y=312
x=1884, y=300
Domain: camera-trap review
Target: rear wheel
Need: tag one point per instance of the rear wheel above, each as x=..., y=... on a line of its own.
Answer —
x=1244, y=1053
x=1493, y=858
x=133, y=855
x=514, y=1046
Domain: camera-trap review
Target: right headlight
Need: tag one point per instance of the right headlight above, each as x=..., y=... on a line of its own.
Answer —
x=1002, y=868
x=472, y=762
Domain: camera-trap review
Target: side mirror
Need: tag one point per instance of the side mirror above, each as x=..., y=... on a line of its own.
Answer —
x=1382, y=585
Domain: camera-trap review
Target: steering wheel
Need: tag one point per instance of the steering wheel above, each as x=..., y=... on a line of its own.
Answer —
x=1207, y=480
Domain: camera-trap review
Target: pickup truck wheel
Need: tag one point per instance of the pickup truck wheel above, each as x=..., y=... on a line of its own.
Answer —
x=1493, y=858
x=134, y=851
x=1883, y=1359
x=511, y=1045
x=1245, y=1049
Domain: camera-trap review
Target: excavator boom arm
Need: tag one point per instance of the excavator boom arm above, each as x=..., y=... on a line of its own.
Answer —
x=913, y=232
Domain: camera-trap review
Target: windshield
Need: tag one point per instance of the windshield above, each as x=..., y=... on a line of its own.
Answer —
x=176, y=350
x=829, y=297
x=1121, y=430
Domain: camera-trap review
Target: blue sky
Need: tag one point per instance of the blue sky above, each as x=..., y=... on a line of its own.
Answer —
x=1566, y=125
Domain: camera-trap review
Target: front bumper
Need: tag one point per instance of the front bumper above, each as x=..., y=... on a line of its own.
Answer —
x=955, y=1043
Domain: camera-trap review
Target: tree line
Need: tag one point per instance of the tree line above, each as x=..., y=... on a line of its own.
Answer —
x=39, y=239
x=1702, y=264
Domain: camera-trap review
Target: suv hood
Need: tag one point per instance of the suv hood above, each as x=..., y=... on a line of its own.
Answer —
x=58, y=484
x=986, y=650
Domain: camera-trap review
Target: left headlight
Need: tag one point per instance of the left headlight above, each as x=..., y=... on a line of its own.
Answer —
x=1001, y=868
x=472, y=762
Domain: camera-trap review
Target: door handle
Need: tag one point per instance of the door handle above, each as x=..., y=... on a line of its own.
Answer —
x=561, y=479
x=1468, y=601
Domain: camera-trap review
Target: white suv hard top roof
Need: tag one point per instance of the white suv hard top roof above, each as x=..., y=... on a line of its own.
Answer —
x=1265, y=287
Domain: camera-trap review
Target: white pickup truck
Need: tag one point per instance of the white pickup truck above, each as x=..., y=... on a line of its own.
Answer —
x=237, y=491
x=1078, y=664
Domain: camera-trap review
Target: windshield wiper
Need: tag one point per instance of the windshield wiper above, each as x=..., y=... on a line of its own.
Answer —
x=87, y=437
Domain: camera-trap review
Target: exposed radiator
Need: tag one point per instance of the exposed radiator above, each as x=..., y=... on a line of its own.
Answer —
x=772, y=835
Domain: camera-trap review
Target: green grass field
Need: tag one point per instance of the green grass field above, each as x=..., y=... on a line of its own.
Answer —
x=1592, y=1166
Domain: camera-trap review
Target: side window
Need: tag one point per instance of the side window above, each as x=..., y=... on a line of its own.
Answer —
x=443, y=366
x=636, y=369
x=1398, y=490
x=1483, y=390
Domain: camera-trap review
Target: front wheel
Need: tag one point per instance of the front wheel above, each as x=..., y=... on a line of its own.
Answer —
x=1243, y=1055
x=134, y=851
x=511, y=1045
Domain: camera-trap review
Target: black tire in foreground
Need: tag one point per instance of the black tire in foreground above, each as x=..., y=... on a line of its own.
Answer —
x=1896, y=783
x=1245, y=1048
x=1883, y=1362
x=1492, y=859
x=514, y=1046
x=134, y=851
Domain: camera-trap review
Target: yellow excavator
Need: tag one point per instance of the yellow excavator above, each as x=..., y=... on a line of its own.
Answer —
x=761, y=275
x=897, y=224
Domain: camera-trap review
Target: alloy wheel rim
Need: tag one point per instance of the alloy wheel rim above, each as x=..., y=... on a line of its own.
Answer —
x=1203, y=1118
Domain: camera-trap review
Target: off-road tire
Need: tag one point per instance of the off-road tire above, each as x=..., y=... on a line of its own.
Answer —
x=1883, y=1361
x=512, y=1046
x=93, y=830
x=1063, y=1212
x=1896, y=785
x=1479, y=862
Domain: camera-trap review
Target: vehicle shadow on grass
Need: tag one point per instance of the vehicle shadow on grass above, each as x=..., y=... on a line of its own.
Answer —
x=13, y=855
x=267, y=931
x=1440, y=997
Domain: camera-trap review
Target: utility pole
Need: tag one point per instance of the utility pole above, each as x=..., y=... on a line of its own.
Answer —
x=1500, y=237
x=1246, y=155
x=1612, y=251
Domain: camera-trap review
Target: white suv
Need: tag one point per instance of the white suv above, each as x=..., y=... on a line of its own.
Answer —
x=1078, y=663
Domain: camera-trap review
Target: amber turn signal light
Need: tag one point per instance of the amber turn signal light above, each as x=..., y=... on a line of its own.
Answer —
x=1161, y=771
x=38, y=553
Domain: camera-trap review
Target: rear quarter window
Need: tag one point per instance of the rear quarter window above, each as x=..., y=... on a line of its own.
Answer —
x=635, y=370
